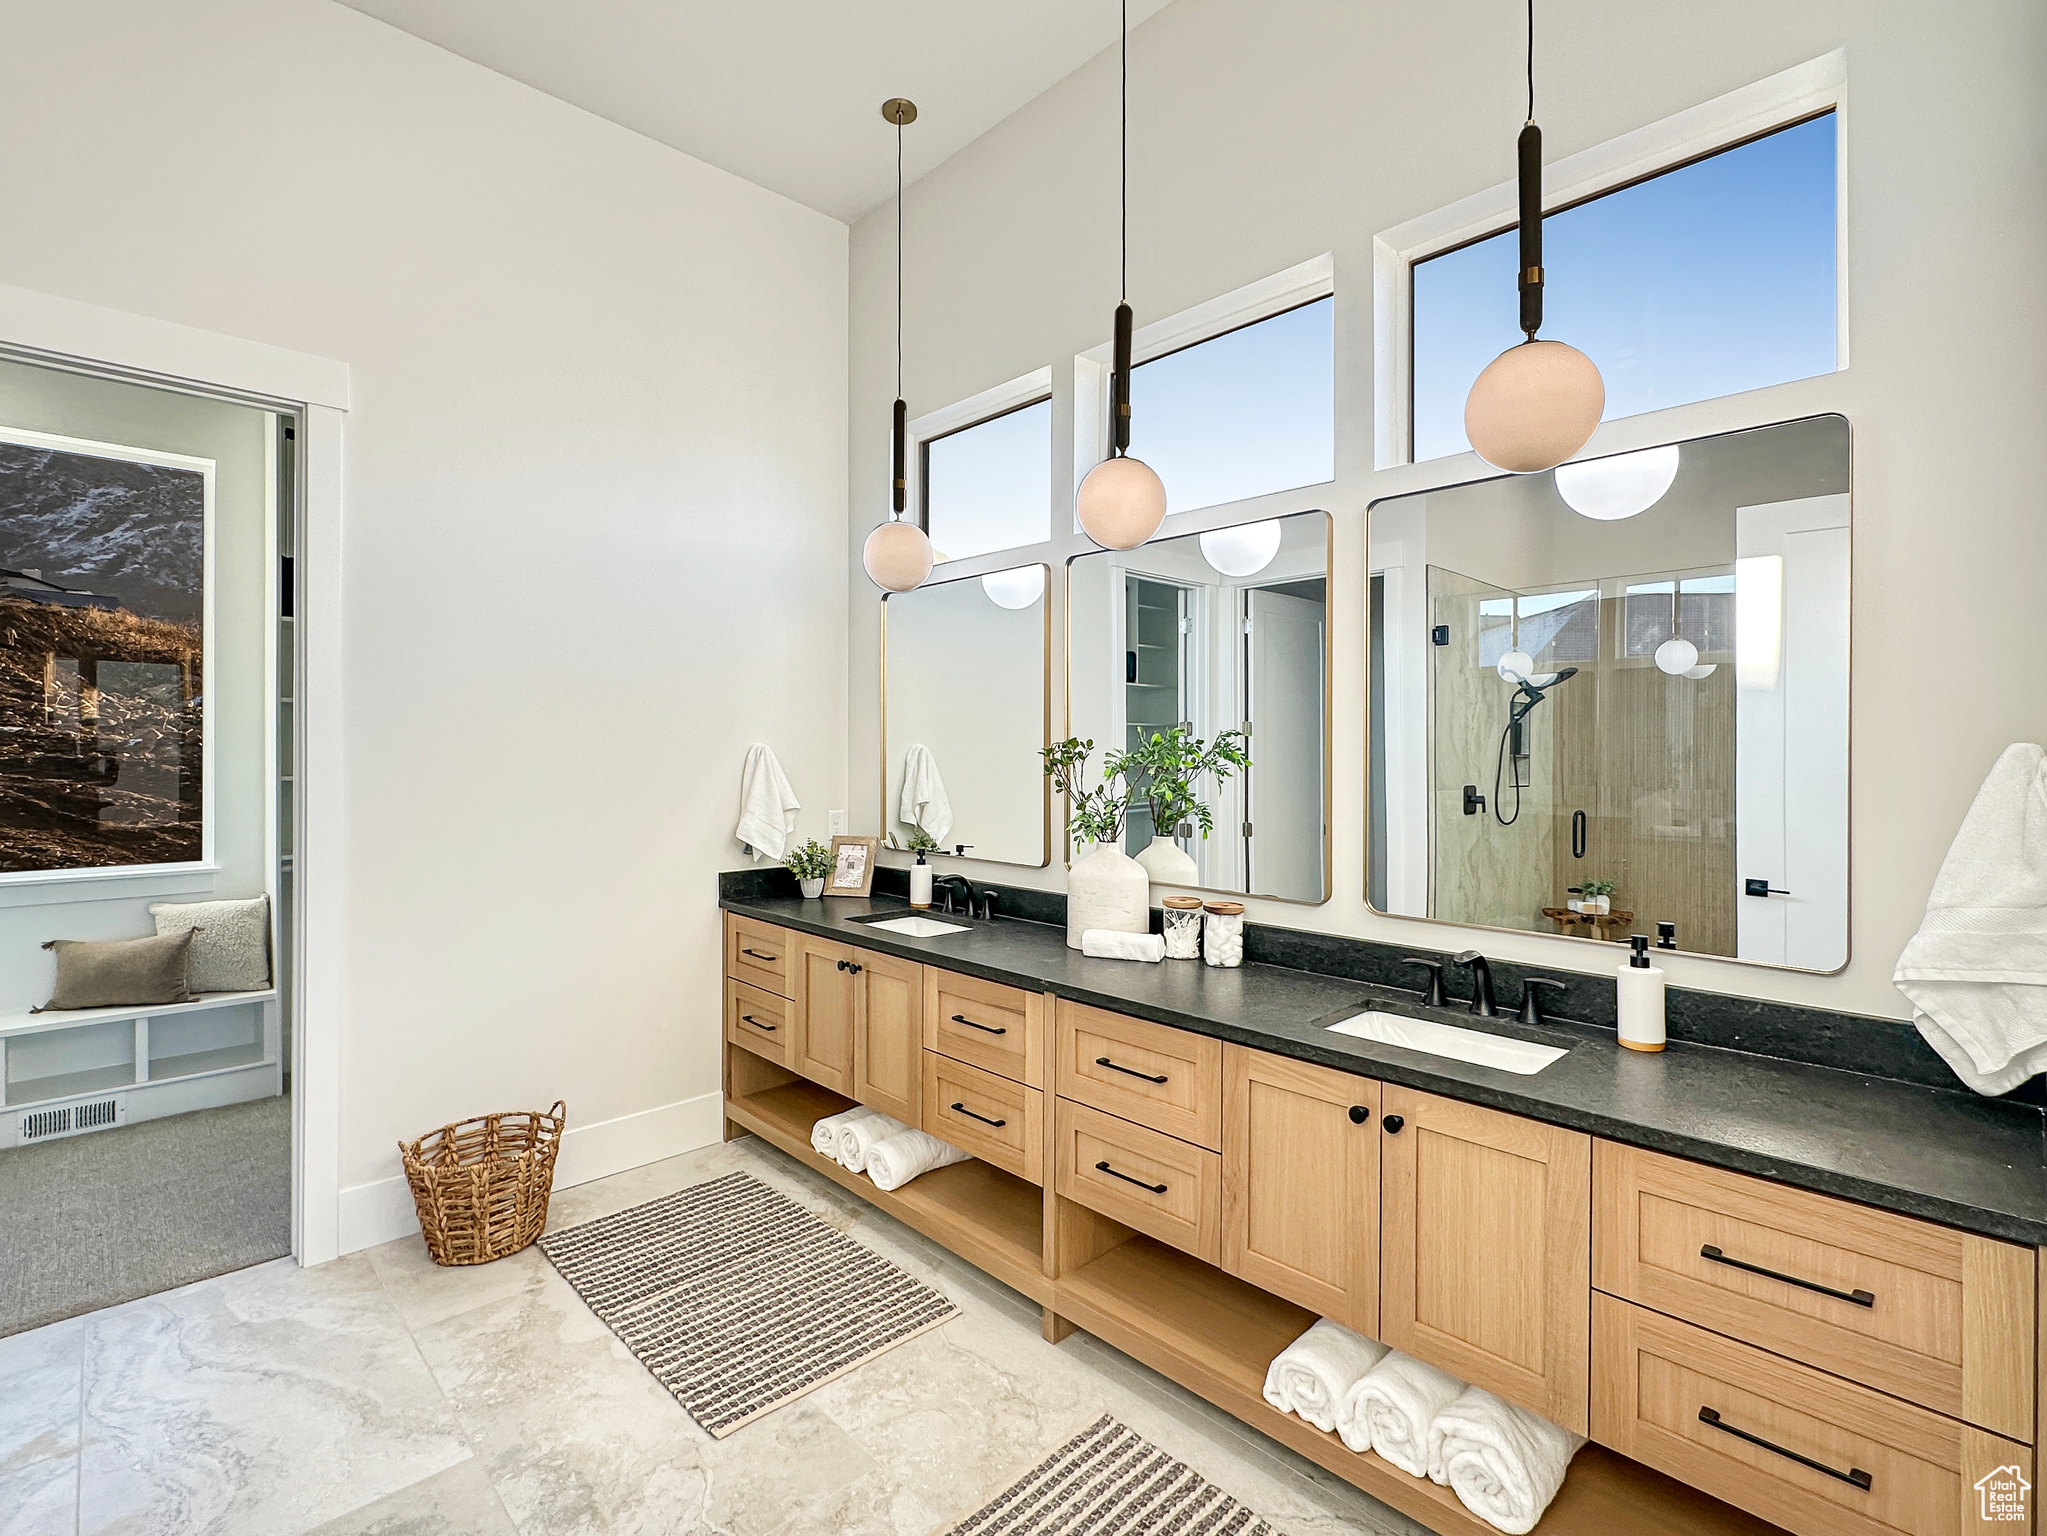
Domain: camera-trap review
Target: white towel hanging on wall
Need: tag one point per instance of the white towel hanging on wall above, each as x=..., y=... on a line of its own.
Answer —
x=924, y=801
x=767, y=805
x=1976, y=971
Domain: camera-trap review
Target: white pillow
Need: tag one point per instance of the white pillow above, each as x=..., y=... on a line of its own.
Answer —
x=231, y=950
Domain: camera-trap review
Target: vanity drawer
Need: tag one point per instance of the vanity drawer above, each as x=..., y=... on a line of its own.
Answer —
x=959, y=1103
x=1164, y=1078
x=1938, y=1317
x=1158, y=1184
x=1807, y=1451
x=759, y=954
x=986, y=1025
x=757, y=1020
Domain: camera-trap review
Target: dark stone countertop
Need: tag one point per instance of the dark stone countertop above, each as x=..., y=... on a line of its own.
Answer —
x=1943, y=1154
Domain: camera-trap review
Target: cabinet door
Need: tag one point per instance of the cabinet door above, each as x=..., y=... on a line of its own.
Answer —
x=826, y=994
x=888, y=1035
x=1487, y=1249
x=1301, y=1184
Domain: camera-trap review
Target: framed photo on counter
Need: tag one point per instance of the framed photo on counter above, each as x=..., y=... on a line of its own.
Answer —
x=852, y=866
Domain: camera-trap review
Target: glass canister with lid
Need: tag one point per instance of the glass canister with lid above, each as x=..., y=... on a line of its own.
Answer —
x=1183, y=927
x=1223, y=940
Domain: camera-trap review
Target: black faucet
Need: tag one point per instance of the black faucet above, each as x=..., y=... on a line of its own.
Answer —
x=1531, y=997
x=1433, y=995
x=1481, y=983
x=948, y=883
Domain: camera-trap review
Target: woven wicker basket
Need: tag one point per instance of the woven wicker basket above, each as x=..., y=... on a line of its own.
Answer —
x=482, y=1185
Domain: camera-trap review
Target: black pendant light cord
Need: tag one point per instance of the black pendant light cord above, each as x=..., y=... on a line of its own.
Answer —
x=899, y=481
x=1531, y=60
x=1119, y=369
x=1123, y=281
x=1528, y=175
x=899, y=246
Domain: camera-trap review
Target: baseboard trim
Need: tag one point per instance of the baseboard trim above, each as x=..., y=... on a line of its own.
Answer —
x=382, y=1210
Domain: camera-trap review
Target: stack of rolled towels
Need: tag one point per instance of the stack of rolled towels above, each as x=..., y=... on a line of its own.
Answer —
x=1504, y=1463
x=863, y=1140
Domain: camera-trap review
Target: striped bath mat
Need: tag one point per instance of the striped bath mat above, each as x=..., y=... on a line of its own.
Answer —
x=1110, y=1478
x=737, y=1299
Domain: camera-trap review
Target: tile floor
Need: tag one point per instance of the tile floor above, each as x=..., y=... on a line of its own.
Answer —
x=381, y=1396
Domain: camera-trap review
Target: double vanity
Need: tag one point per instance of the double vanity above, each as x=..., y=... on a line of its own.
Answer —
x=1653, y=1251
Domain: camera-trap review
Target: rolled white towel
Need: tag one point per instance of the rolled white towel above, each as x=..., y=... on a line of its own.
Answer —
x=824, y=1136
x=1105, y=945
x=1391, y=1408
x=1503, y=1462
x=1313, y=1375
x=859, y=1138
x=904, y=1157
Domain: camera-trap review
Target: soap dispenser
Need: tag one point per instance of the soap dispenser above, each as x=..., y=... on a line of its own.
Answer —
x=1640, y=995
x=920, y=882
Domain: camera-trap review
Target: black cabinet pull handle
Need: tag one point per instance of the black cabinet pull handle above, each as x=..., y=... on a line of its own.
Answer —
x=1103, y=1061
x=1856, y=1298
x=1359, y=1114
x=961, y=1018
x=1577, y=834
x=1855, y=1476
x=757, y=954
x=961, y=1109
x=852, y=968
x=1393, y=1123
x=1157, y=1189
x=842, y=965
x=756, y=1023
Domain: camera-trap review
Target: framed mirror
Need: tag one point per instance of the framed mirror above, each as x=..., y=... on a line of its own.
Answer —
x=1613, y=698
x=1222, y=631
x=966, y=708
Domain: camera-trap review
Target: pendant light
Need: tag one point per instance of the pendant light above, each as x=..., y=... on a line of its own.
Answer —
x=1122, y=501
x=898, y=554
x=1536, y=403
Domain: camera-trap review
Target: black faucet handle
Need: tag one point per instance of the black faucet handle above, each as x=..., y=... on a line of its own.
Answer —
x=1467, y=957
x=1433, y=995
x=1531, y=997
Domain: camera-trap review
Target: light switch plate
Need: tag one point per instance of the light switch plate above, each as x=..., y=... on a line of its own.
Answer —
x=836, y=820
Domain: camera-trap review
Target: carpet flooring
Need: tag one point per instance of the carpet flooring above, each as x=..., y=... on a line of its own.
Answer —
x=93, y=1220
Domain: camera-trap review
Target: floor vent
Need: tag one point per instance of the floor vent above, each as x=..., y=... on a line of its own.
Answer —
x=70, y=1119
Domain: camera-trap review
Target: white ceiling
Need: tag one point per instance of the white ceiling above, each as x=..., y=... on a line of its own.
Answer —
x=786, y=93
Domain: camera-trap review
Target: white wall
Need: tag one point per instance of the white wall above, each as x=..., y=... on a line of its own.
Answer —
x=1360, y=117
x=595, y=518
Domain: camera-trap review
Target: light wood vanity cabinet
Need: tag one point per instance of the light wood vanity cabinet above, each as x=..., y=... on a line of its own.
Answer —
x=985, y=1024
x=859, y=1025
x=1300, y=1184
x=1167, y=1079
x=1485, y=1265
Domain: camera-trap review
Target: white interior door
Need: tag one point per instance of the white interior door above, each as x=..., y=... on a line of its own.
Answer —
x=1283, y=703
x=1791, y=731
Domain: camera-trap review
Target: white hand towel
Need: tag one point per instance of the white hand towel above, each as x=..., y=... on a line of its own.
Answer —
x=1103, y=944
x=859, y=1138
x=1313, y=1375
x=1391, y=1408
x=1503, y=1462
x=902, y=1158
x=824, y=1136
x=767, y=805
x=924, y=801
x=1976, y=972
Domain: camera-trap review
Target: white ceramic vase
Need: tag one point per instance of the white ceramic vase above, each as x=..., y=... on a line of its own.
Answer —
x=812, y=889
x=1168, y=863
x=1106, y=889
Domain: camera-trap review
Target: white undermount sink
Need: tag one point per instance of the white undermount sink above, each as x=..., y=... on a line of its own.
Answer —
x=918, y=927
x=1469, y=1045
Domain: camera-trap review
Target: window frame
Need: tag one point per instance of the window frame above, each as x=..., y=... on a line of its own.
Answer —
x=1305, y=283
x=1754, y=111
x=1017, y=394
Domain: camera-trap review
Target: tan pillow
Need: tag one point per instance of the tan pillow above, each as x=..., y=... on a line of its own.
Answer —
x=121, y=973
x=232, y=952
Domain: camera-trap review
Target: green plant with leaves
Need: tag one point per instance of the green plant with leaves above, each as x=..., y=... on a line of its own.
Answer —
x=813, y=861
x=1596, y=888
x=921, y=841
x=1168, y=771
x=1092, y=815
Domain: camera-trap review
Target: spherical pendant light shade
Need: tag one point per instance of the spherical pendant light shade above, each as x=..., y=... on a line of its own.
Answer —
x=1623, y=485
x=1019, y=587
x=1676, y=657
x=1243, y=550
x=1122, y=503
x=897, y=557
x=1534, y=406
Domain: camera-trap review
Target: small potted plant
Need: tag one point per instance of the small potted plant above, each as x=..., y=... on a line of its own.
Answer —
x=1598, y=897
x=1105, y=888
x=1165, y=772
x=810, y=864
